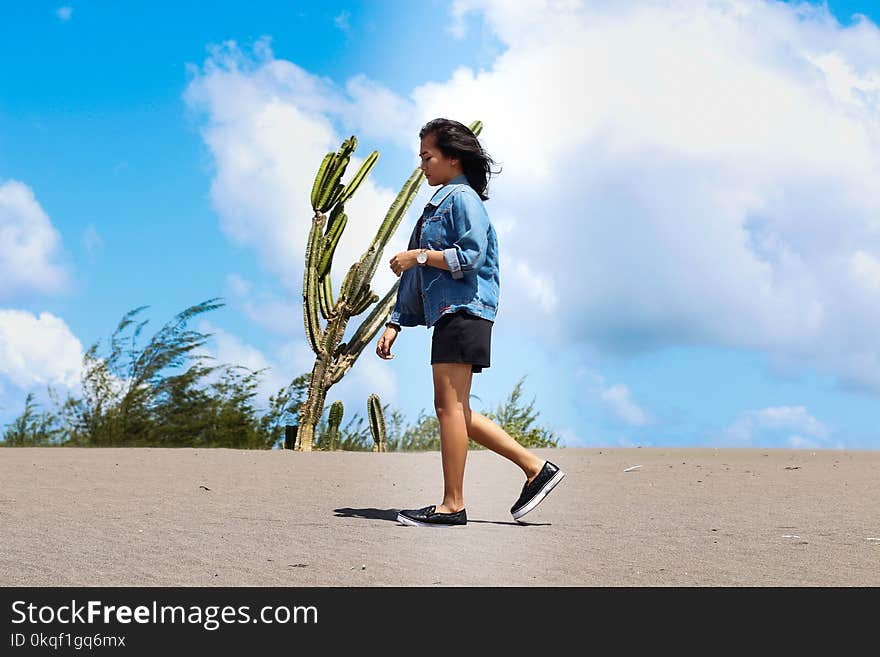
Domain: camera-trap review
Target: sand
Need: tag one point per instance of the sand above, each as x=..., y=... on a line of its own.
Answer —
x=221, y=517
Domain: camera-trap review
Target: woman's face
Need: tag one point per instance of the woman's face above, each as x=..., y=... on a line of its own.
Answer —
x=438, y=170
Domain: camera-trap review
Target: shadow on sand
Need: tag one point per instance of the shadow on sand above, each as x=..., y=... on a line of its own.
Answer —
x=391, y=515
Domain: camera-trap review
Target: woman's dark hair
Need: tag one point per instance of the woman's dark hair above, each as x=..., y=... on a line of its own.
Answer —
x=456, y=140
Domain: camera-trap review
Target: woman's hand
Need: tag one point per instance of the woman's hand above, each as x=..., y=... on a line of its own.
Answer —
x=383, y=348
x=403, y=261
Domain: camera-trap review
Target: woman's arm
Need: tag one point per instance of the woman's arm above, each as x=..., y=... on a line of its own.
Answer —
x=467, y=253
x=406, y=259
x=435, y=259
x=471, y=224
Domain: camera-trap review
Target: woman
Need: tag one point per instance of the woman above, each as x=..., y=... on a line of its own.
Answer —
x=449, y=280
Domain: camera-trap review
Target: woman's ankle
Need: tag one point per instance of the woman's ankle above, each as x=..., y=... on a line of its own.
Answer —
x=534, y=469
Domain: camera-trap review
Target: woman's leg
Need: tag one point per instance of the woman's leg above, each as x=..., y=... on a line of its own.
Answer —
x=489, y=434
x=452, y=388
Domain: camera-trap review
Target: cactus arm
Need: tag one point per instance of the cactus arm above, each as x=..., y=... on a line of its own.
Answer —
x=360, y=299
x=370, y=260
x=377, y=421
x=336, y=195
x=319, y=179
x=335, y=225
x=336, y=411
x=347, y=292
x=335, y=419
x=359, y=177
x=331, y=239
x=310, y=285
x=364, y=302
x=372, y=323
x=325, y=296
x=326, y=189
x=331, y=189
x=399, y=207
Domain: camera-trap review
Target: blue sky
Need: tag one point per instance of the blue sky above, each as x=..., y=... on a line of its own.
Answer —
x=679, y=271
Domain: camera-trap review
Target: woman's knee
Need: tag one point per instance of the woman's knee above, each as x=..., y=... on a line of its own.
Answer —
x=447, y=402
x=453, y=407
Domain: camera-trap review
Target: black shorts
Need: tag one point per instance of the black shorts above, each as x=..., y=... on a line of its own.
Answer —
x=461, y=337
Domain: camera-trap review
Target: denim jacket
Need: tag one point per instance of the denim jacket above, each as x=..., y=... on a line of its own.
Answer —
x=454, y=221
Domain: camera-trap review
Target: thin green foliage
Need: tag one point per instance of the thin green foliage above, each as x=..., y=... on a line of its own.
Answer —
x=165, y=395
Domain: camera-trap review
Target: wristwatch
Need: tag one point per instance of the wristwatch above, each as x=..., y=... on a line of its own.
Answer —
x=422, y=257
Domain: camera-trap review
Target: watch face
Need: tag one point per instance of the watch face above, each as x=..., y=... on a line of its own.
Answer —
x=422, y=257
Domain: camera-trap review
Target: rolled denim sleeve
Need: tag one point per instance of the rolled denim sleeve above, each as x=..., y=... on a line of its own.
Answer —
x=395, y=313
x=471, y=224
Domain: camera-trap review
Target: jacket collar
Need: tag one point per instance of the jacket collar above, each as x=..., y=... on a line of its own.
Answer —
x=441, y=194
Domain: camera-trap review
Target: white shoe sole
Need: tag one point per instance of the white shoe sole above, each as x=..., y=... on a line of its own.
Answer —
x=539, y=496
x=402, y=519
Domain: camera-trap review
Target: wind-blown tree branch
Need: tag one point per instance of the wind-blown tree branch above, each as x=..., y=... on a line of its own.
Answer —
x=120, y=391
x=134, y=397
x=123, y=392
x=333, y=358
x=31, y=429
x=518, y=421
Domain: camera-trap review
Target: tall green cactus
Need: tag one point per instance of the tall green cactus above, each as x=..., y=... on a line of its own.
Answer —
x=336, y=412
x=377, y=422
x=333, y=358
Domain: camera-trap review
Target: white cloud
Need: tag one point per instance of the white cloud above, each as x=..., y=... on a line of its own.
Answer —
x=237, y=285
x=278, y=315
x=267, y=126
x=799, y=442
x=699, y=172
x=615, y=398
x=226, y=348
x=341, y=21
x=64, y=13
x=791, y=426
x=28, y=244
x=297, y=357
x=569, y=437
x=368, y=375
x=537, y=288
x=38, y=351
x=844, y=82
x=91, y=240
x=865, y=268
x=376, y=112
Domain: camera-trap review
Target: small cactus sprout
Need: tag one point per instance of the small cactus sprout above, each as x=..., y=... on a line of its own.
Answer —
x=336, y=411
x=377, y=422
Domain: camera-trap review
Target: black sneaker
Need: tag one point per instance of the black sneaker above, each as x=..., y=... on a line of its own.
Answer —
x=536, y=490
x=426, y=517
